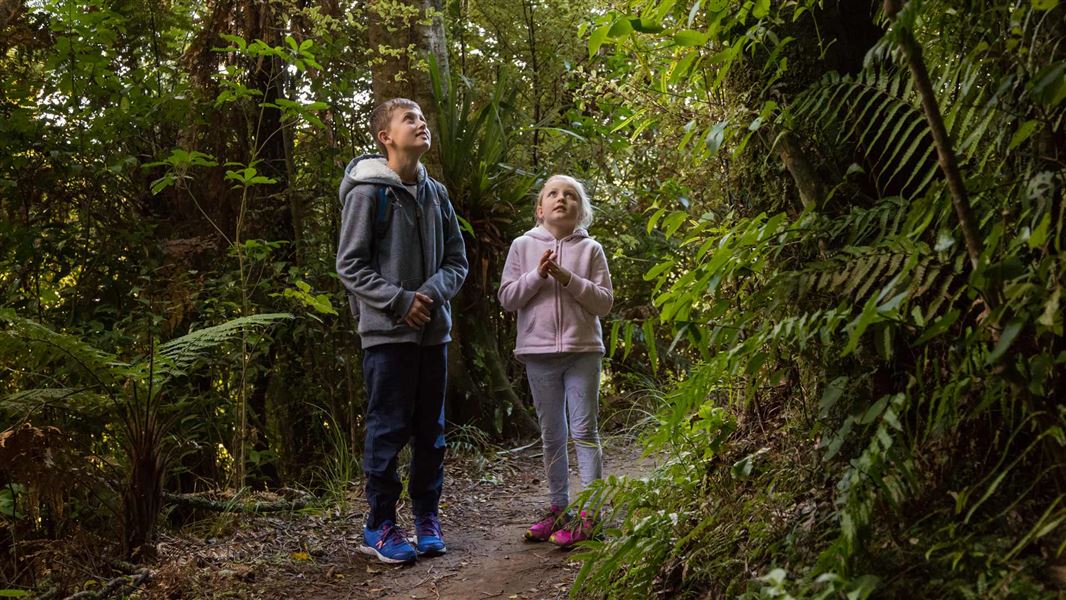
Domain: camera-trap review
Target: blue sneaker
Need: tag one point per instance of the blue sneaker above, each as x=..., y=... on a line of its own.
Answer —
x=428, y=538
x=388, y=543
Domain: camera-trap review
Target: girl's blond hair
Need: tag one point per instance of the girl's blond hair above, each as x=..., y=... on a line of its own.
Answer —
x=585, y=218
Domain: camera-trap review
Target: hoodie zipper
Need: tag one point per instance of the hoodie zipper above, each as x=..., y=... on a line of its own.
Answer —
x=558, y=299
x=421, y=248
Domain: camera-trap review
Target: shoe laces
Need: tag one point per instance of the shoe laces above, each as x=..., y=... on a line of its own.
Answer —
x=428, y=525
x=391, y=534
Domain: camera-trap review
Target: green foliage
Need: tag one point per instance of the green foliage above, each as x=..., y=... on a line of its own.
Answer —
x=37, y=348
x=888, y=401
x=124, y=398
x=341, y=467
x=475, y=145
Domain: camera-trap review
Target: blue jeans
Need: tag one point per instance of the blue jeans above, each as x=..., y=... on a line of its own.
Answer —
x=405, y=386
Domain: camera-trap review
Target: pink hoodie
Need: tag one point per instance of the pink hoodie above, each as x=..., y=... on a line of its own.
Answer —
x=553, y=317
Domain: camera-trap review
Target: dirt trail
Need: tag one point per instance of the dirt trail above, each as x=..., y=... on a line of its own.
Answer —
x=314, y=556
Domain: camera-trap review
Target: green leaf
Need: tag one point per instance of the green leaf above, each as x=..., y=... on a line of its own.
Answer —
x=1005, y=340
x=1039, y=234
x=680, y=69
x=658, y=269
x=627, y=341
x=646, y=25
x=1051, y=309
x=649, y=343
x=939, y=326
x=863, y=587
x=655, y=216
x=688, y=38
x=163, y=183
x=1024, y=132
x=761, y=9
x=11, y=593
x=614, y=338
x=742, y=468
x=465, y=225
x=715, y=136
x=1045, y=5
x=833, y=391
x=598, y=37
x=234, y=39
x=620, y=29
x=1049, y=85
x=944, y=240
x=858, y=326
x=673, y=222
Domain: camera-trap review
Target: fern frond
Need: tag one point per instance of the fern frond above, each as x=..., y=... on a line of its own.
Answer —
x=30, y=344
x=179, y=354
x=875, y=112
x=80, y=400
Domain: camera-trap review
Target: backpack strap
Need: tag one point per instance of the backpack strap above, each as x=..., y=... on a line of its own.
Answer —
x=442, y=200
x=381, y=217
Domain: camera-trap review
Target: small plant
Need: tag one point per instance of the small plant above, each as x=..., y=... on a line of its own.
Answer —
x=341, y=466
x=127, y=393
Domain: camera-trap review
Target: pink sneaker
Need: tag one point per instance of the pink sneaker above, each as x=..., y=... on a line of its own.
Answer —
x=550, y=523
x=577, y=530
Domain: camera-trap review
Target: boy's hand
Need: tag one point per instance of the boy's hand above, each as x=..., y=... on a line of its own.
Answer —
x=418, y=314
x=545, y=260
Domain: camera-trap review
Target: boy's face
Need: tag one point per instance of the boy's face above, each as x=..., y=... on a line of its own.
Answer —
x=559, y=204
x=407, y=133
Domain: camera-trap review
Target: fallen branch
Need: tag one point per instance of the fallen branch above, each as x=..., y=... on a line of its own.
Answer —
x=234, y=507
x=518, y=449
x=116, y=585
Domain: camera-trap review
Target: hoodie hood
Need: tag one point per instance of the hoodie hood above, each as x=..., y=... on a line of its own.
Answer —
x=541, y=233
x=374, y=169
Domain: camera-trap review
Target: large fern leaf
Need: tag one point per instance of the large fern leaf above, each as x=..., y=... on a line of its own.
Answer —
x=179, y=354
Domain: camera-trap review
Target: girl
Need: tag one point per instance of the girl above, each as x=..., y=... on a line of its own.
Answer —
x=556, y=277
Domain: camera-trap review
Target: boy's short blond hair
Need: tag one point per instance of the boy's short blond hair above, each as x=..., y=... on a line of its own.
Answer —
x=382, y=114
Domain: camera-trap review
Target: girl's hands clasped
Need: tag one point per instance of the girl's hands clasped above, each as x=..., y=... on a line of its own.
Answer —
x=548, y=266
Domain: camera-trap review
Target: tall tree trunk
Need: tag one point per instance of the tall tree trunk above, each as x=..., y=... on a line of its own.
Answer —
x=808, y=181
x=401, y=73
x=530, y=19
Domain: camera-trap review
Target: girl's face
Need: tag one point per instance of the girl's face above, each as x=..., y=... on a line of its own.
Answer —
x=559, y=205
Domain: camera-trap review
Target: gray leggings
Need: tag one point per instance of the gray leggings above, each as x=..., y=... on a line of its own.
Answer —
x=568, y=381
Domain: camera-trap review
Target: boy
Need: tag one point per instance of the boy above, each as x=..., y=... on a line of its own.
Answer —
x=401, y=258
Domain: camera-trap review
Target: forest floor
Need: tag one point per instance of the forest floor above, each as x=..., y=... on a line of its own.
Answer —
x=485, y=509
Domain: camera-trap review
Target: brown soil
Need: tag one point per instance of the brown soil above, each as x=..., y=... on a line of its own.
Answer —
x=484, y=513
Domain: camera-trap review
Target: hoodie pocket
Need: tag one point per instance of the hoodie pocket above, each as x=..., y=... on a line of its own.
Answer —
x=372, y=320
x=526, y=321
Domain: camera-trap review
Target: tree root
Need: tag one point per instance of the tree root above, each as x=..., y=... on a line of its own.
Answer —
x=115, y=585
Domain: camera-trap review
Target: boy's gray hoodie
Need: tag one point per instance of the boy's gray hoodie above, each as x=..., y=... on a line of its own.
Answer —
x=418, y=247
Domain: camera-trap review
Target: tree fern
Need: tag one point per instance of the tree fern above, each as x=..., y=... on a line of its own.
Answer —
x=181, y=353
x=28, y=343
x=36, y=347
